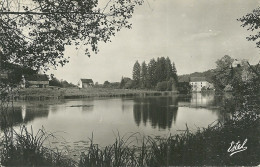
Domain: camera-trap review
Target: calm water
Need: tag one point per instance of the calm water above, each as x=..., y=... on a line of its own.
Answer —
x=74, y=121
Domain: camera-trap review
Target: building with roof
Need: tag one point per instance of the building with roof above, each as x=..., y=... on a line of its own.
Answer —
x=199, y=83
x=85, y=83
x=36, y=80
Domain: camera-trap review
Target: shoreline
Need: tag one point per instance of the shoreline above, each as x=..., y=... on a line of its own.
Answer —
x=75, y=93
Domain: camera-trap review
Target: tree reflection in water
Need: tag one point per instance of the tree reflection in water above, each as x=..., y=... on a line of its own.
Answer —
x=24, y=114
x=158, y=111
x=161, y=112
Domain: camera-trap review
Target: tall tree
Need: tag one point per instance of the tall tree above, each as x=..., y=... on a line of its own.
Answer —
x=143, y=75
x=160, y=72
x=34, y=33
x=174, y=73
x=137, y=73
x=169, y=69
x=151, y=73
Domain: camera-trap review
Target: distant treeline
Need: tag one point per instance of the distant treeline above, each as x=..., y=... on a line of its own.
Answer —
x=60, y=83
x=160, y=74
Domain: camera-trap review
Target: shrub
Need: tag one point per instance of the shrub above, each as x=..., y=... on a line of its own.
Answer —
x=162, y=86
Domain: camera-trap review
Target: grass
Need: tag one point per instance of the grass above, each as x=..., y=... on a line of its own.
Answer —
x=31, y=93
x=25, y=148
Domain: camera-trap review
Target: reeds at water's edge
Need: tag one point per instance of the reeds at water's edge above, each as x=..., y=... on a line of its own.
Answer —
x=208, y=146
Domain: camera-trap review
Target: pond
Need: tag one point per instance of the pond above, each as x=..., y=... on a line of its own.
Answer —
x=73, y=122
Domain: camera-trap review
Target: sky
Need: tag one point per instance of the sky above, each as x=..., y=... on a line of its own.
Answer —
x=192, y=33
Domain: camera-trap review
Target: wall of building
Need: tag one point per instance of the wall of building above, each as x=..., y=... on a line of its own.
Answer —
x=197, y=86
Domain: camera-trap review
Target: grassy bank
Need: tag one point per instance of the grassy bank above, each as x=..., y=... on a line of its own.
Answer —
x=207, y=146
x=70, y=93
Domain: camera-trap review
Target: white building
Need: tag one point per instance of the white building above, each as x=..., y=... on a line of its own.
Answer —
x=85, y=83
x=197, y=83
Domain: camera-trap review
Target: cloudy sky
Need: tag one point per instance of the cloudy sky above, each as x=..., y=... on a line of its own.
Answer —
x=192, y=33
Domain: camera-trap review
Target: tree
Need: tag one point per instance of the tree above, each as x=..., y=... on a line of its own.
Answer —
x=55, y=82
x=169, y=69
x=151, y=73
x=137, y=73
x=143, y=76
x=106, y=84
x=252, y=22
x=174, y=73
x=129, y=84
x=122, y=83
x=162, y=86
x=223, y=73
x=34, y=34
x=160, y=72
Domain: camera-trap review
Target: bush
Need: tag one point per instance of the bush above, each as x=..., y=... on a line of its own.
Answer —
x=162, y=86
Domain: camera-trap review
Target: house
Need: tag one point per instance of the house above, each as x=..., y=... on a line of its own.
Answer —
x=199, y=83
x=35, y=80
x=85, y=83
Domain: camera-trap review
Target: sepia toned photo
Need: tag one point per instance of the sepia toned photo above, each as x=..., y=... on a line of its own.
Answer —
x=136, y=83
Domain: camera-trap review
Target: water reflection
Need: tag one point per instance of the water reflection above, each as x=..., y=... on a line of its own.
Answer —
x=79, y=118
x=158, y=111
x=162, y=112
x=23, y=114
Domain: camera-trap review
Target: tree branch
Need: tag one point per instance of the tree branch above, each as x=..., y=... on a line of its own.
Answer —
x=47, y=13
x=255, y=71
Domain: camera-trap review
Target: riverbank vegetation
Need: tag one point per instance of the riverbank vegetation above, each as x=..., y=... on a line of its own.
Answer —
x=65, y=93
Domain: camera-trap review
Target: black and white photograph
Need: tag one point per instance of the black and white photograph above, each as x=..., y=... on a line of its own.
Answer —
x=129, y=83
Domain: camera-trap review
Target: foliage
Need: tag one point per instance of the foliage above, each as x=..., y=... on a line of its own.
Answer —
x=184, y=87
x=151, y=73
x=144, y=76
x=172, y=85
x=155, y=72
x=137, y=73
x=62, y=83
x=34, y=33
x=15, y=72
x=107, y=84
x=252, y=22
x=130, y=84
x=162, y=86
x=126, y=83
x=222, y=75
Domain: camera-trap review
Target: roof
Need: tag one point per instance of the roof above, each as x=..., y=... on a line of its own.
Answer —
x=36, y=77
x=197, y=79
x=86, y=80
